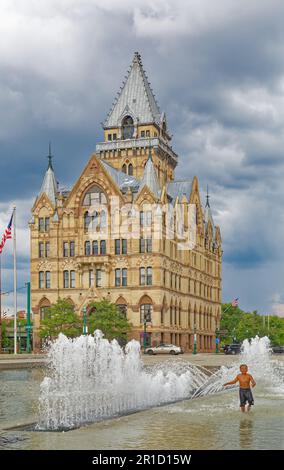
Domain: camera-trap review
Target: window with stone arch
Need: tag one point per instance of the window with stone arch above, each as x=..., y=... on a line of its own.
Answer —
x=94, y=195
x=127, y=127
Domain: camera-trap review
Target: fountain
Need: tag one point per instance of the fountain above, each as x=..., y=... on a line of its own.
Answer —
x=90, y=379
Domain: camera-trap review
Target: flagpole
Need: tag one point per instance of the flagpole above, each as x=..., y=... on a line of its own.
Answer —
x=0, y=307
x=15, y=280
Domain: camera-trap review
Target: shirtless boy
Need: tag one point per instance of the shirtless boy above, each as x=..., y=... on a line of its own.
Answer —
x=244, y=380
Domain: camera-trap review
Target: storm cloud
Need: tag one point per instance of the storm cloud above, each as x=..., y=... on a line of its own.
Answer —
x=217, y=70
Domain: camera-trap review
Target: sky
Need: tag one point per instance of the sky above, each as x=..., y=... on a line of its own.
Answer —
x=217, y=70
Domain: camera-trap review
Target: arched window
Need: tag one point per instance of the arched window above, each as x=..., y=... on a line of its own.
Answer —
x=124, y=168
x=94, y=195
x=130, y=169
x=127, y=127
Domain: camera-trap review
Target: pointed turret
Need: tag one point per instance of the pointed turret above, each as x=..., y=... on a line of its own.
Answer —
x=150, y=178
x=49, y=185
x=135, y=98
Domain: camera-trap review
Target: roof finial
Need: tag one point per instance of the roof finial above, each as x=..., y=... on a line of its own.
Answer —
x=207, y=197
x=50, y=157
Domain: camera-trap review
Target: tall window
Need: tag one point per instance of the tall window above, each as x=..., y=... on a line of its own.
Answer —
x=117, y=277
x=142, y=245
x=65, y=279
x=149, y=245
x=41, y=279
x=98, y=278
x=72, y=248
x=87, y=220
x=149, y=276
x=91, y=278
x=127, y=127
x=72, y=279
x=87, y=248
x=103, y=219
x=124, y=168
x=46, y=224
x=47, y=249
x=102, y=247
x=124, y=277
x=117, y=247
x=142, y=276
x=95, y=247
x=65, y=249
x=130, y=169
x=47, y=279
x=146, y=313
x=41, y=224
x=124, y=246
x=162, y=316
x=41, y=249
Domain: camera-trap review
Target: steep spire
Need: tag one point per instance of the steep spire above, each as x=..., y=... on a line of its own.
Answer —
x=207, y=198
x=150, y=178
x=49, y=185
x=135, y=98
x=49, y=156
x=207, y=213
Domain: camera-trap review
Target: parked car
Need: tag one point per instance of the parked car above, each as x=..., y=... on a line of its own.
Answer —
x=164, y=349
x=278, y=349
x=234, y=348
x=225, y=348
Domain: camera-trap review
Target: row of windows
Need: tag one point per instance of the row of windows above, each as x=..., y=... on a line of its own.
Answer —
x=95, y=221
x=95, y=278
x=145, y=133
x=95, y=248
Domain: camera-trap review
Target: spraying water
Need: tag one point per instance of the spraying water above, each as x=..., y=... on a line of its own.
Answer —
x=91, y=379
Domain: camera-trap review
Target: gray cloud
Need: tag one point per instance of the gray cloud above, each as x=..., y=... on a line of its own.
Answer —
x=218, y=72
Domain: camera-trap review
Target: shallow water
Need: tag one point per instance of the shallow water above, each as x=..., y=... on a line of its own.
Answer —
x=210, y=422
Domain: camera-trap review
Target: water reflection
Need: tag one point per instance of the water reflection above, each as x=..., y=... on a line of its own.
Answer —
x=246, y=432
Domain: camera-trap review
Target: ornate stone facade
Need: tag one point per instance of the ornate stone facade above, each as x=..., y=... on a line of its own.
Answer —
x=180, y=290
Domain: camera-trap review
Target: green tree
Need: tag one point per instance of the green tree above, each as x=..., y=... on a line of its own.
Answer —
x=240, y=325
x=61, y=318
x=107, y=317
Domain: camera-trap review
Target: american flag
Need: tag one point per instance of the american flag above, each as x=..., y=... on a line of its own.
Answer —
x=6, y=235
x=235, y=302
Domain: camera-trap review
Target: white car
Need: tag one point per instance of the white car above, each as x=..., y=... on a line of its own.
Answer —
x=164, y=349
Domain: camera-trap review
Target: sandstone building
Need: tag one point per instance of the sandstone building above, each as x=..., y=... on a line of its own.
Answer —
x=74, y=256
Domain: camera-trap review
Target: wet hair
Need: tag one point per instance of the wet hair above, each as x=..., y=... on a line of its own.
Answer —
x=244, y=365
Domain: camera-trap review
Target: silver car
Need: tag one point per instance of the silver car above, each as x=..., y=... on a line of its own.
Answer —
x=164, y=349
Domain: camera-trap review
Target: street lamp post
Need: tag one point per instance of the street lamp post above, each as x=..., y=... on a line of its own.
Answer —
x=28, y=327
x=217, y=341
x=194, y=340
x=85, y=328
x=19, y=329
x=145, y=334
